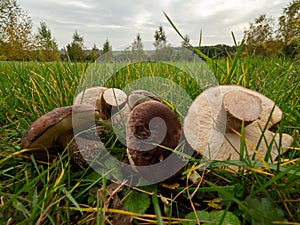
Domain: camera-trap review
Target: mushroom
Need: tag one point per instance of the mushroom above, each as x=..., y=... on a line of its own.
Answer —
x=54, y=131
x=136, y=97
x=150, y=126
x=111, y=101
x=106, y=100
x=213, y=123
x=90, y=96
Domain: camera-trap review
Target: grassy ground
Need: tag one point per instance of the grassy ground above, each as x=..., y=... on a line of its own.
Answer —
x=34, y=193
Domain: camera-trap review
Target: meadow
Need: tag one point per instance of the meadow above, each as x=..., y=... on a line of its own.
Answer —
x=56, y=193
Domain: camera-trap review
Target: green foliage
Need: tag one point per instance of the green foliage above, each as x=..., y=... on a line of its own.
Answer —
x=263, y=211
x=93, y=54
x=160, y=38
x=75, y=50
x=47, y=46
x=16, y=37
x=137, y=49
x=137, y=202
x=289, y=23
x=263, y=38
x=220, y=217
x=107, y=55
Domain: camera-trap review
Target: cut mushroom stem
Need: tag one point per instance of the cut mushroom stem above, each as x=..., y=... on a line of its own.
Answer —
x=111, y=101
x=241, y=106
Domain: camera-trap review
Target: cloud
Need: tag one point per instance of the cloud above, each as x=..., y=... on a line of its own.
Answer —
x=120, y=21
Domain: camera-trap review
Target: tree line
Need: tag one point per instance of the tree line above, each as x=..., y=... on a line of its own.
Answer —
x=267, y=36
x=19, y=42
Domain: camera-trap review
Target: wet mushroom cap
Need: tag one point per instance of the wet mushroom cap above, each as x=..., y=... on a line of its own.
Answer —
x=151, y=124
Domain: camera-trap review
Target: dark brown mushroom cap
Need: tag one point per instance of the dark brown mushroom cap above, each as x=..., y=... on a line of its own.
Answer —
x=150, y=124
x=45, y=131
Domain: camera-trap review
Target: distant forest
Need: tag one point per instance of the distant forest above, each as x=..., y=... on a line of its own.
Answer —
x=265, y=36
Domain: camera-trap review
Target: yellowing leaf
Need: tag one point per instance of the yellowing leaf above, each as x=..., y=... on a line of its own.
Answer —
x=215, y=203
x=171, y=186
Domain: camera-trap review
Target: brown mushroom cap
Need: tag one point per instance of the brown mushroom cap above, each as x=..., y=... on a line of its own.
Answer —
x=150, y=124
x=45, y=132
x=119, y=119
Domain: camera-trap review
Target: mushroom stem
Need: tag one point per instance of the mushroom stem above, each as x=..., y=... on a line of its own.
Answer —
x=111, y=101
x=241, y=106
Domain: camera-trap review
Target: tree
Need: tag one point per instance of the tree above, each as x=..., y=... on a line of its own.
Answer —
x=259, y=34
x=106, y=52
x=94, y=53
x=160, y=38
x=75, y=50
x=289, y=28
x=16, y=37
x=47, y=46
x=137, y=48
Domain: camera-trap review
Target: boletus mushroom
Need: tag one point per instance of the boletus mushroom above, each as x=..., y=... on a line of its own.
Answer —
x=214, y=120
x=53, y=132
x=136, y=97
x=151, y=126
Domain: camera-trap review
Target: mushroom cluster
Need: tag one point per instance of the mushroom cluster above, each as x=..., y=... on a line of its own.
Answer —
x=213, y=126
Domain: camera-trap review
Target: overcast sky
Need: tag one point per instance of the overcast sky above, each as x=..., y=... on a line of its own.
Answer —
x=119, y=21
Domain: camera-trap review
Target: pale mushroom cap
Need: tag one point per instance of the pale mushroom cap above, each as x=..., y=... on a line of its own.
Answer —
x=89, y=96
x=269, y=143
x=45, y=130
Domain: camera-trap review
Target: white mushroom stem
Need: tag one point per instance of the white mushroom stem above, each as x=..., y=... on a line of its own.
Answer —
x=241, y=106
x=257, y=142
x=111, y=101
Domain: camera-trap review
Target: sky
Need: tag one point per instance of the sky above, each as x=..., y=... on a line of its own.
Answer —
x=119, y=21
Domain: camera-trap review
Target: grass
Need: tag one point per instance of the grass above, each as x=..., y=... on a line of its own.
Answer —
x=56, y=193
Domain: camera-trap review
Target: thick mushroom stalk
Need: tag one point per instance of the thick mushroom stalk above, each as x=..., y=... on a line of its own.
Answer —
x=52, y=132
x=111, y=101
x=150, y=126
x=214, y=120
